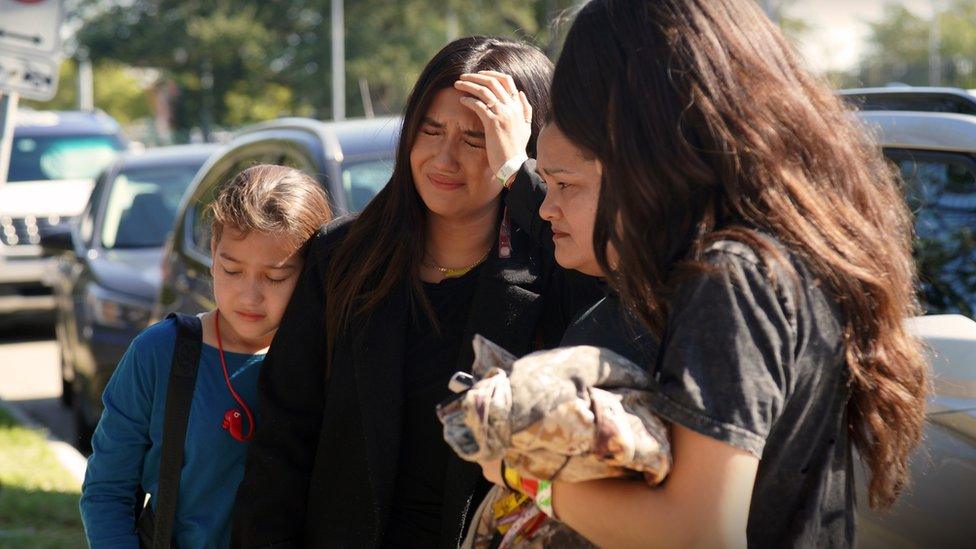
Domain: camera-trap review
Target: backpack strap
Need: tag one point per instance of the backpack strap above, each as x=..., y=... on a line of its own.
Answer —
x=179, y=393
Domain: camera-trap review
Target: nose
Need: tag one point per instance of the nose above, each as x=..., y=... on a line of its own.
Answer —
x=252, y=293
x=445, y=160
x=550, y=210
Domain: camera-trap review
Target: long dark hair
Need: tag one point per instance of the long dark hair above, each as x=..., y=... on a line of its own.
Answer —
x=708, y=127
x=385, y=244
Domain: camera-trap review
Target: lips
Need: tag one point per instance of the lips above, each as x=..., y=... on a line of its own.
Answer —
x=557, y=234
x=444, y=183
x=250, y=317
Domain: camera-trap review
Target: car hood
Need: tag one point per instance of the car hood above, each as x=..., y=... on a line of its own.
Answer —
x=64, y=198
x=134, y=272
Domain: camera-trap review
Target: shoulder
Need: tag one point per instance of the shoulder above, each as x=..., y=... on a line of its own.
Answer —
x=330, y=235
x=156, y=339
x=147, y=358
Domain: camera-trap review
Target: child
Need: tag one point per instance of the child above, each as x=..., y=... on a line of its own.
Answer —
x=261, y=221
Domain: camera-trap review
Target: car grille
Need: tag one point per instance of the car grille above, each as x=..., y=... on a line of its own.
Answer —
x=24, y=231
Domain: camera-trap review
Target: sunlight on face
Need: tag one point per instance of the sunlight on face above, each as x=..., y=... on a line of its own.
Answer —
x=253, y=278
x=448, y=160
x=573, y=181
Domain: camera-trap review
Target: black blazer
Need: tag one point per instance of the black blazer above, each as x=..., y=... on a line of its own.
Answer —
x=322, y=466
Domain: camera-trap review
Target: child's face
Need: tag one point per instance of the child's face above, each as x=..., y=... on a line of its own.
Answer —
x=254, y=276
x=573, y=183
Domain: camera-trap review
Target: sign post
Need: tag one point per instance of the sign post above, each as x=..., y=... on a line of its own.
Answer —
x=30, y=55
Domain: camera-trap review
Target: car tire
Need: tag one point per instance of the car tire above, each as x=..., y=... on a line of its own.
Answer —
x=67, y=387
x=84, y=430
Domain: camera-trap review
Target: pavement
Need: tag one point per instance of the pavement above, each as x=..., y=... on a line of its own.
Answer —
x=30, y=387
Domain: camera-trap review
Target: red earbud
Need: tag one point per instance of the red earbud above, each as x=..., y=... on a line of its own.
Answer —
x=234, y=424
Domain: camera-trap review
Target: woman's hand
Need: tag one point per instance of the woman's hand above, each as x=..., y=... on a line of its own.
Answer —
x=504, y=111
x=493, y=471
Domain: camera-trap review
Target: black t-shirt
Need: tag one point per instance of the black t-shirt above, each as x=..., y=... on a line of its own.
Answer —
x=760, y=365
x=431, y=358
x=606, y=324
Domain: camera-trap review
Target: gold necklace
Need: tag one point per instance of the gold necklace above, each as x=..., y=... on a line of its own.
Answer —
x=456, y=272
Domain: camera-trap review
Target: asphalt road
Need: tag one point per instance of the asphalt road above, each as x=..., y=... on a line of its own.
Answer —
x=30, y=379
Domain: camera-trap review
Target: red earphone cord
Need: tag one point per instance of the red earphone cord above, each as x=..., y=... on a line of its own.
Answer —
x=223, y=365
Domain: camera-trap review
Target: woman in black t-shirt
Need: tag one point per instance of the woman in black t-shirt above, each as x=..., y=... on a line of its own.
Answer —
x=756, y=230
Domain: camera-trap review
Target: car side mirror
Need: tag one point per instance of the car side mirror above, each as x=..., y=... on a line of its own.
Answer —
x=57, y=241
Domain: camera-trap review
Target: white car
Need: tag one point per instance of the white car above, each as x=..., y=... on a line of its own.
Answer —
x=936, y=153
x=53, y=163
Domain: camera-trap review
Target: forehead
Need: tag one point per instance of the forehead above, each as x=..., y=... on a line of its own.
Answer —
x=555, y=150
x=446, y=108
x=256, y=247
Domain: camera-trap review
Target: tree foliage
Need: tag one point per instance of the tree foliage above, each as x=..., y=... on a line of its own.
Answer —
x=900, y=43
x=240, y=61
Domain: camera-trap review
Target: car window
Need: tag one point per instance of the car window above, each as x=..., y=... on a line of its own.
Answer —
x=361, y=181
x=142, y=204
x=86, y=221
x=941, y=191
x=61, y=157
x=197, y=218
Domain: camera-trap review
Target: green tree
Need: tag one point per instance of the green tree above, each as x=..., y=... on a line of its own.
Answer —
x=900, y=44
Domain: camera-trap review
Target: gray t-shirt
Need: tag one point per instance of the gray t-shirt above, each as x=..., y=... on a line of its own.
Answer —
x=760, y=365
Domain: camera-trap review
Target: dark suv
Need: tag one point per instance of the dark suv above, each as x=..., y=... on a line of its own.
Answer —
x=352, y=160
x=107, y=271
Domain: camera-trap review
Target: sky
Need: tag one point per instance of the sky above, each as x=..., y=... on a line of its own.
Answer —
x=839, y=28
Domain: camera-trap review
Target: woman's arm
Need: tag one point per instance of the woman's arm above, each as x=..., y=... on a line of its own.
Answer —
x=271, y=501
x=703, y=503
x=120, y=443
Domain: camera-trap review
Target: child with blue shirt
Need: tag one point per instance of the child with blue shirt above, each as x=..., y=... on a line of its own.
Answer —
x=260, y=223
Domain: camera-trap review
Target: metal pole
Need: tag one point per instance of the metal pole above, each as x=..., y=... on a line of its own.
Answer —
x=338, y=62
x=935, y=56
x=367, y=100
x=8, y=112
x=86, y=85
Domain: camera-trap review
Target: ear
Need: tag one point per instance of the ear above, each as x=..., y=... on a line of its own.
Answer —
x=487, y=355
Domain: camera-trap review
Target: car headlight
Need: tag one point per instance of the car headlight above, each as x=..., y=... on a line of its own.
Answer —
x=111, y=309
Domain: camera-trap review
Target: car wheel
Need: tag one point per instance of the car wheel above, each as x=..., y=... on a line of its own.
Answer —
x=83, y=427
x=67, y=387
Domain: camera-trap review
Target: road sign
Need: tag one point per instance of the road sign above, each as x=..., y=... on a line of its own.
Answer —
x=32, y=77
x=32, y=27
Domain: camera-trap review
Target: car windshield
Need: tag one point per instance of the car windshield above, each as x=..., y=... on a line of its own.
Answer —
x=142, y=205
x=362, y=180
x=61, y=157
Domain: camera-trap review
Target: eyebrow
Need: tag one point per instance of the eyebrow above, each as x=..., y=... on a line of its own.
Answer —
x=477, y=134
x=266, y=266
x=555, y=171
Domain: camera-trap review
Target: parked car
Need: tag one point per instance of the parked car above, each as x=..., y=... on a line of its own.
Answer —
x=936, y=154
x=54, y=159
x=912, y=98
x=351, y=159
x=108, y=263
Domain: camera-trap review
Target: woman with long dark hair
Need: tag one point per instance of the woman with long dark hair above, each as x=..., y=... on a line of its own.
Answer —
x=753, y=226
x=348, y=449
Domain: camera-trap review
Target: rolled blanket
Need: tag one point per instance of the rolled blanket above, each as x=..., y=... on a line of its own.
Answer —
x=572, y=414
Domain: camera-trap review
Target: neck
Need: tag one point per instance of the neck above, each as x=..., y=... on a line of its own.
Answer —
x=460, y=242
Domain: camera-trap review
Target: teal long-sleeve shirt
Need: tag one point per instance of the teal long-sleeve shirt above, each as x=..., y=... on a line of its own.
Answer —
x=128, y=442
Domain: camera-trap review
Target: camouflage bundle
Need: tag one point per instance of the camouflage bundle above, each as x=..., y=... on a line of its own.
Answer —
x=570, y=414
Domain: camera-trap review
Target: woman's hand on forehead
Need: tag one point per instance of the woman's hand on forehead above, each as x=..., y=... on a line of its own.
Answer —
x=504, y=111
